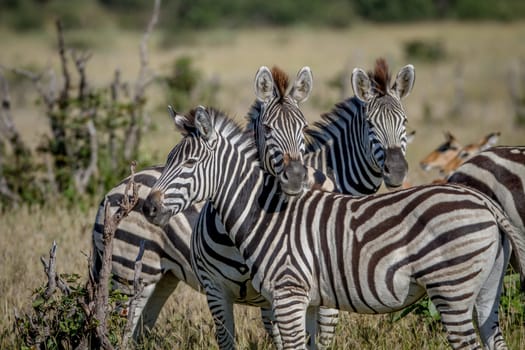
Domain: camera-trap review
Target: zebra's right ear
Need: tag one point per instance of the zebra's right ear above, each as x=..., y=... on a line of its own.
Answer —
x=361, y=85
x=264, y=84
x=180, y=121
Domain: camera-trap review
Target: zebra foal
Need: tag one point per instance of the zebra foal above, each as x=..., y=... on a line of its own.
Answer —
x=373, y=254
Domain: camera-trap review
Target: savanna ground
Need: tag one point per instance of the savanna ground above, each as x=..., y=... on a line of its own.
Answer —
x=484, y=54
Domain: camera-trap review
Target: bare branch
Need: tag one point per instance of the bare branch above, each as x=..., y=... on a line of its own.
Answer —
x=82, y=176
x=145, y=76
x=111, y=223
x=52, y=278
x=64, y=94
x=80, y=60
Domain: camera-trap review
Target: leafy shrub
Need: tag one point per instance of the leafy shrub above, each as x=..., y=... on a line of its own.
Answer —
x=186, y=87
x=60, y=322
x=424, y=51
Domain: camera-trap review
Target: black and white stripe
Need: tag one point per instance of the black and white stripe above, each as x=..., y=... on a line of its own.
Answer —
x=499, y=172
x=373, y=254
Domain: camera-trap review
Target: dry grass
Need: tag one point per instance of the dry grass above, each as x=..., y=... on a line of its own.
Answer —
x=485, y=51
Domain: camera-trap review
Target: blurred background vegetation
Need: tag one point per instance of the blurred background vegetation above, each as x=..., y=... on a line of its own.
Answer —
x=177, y=15
x=470, y=67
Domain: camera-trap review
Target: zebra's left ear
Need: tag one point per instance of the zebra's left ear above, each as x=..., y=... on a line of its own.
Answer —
x=361, y=85
x=264, y=84
x=302, y=86
x=180, y=121
x=405, y=81
x=204, y=124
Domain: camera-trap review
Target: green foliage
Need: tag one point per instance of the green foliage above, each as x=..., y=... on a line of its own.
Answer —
x=185, y=86
x=60, y=321
x=424, y=51
x=483, y=10
x=396, y=10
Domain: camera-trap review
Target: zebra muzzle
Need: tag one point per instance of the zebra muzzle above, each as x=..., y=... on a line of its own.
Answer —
x=154, y=210
x=293, y=178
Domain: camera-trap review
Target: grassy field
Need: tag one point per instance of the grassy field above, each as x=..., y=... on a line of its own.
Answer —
x=483, y=53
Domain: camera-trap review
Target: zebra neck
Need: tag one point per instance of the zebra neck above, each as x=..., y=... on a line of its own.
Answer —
x=250, y=203
x=341, y=146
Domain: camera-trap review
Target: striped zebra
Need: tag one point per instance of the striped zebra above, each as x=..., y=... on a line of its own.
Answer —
x=357, y=145
x=499, y=172
x=166, y=258
x=373, y=254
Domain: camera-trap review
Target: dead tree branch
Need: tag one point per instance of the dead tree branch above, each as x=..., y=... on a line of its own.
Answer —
x=53, y=279
x=145, y=77
x=63, y=99
x=101, y=293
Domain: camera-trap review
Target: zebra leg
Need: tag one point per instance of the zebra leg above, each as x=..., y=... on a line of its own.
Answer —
x=221, y=307
x=271, y=327
x=326, y=323
x=456, y=313
x=320, y=326
x=289, y=306
x=487, y=302
x=153, y=299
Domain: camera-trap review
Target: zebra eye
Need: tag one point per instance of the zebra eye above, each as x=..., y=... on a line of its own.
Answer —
x=189, y=163
x=267, y=129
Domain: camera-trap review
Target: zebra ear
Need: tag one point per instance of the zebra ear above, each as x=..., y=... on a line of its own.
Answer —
x=361, y=85
x=302, y=86
x=180, y=121
x=405, y=81
x=264, y=84
x=204, y=124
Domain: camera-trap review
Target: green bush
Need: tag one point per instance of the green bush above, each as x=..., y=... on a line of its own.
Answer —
x=60, y=322
x=424, y=50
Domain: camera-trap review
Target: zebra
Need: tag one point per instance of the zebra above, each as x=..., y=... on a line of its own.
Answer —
x=362, y=141
x=499, y=172
x=371, y=254
x=358, y=142
x=167, y=248
x=346, y=127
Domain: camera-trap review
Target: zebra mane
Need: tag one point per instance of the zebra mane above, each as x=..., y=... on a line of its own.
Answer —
x=281, y=80
x=380, y=77
x=223, y=124
x=322, y=132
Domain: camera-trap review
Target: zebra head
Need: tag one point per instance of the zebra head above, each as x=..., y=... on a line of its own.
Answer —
x=386, y=115
x=278, y=125
x=191, y=169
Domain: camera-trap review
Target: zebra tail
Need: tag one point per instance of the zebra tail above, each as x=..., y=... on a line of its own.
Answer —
x=515, y=236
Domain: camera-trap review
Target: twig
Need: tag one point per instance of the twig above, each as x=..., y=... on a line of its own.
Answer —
x=80, y=60
x=145, y=77
x=64, y=94
x=52, y=278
